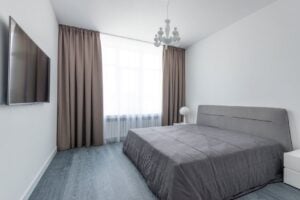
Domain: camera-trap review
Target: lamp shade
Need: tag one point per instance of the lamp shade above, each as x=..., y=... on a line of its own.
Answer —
x=184, y=110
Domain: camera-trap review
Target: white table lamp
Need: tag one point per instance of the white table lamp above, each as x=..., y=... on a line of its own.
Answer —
x=184, y=111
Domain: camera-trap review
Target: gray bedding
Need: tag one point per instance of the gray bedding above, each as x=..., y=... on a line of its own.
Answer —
x=199, y=162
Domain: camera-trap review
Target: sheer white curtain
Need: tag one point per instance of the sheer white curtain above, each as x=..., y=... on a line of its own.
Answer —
x=132, y=81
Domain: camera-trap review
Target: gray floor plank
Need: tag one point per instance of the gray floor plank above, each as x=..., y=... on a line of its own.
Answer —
x=105, y=173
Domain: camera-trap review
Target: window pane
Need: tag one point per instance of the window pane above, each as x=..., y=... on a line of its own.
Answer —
x=110, y=90
x=109, y=56
x=129, y=59
x=132, y=77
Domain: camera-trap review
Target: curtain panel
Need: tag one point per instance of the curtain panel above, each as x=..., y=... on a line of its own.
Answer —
x=80, y=101
x=173, y=84
x=132, y=86
x=116, y=127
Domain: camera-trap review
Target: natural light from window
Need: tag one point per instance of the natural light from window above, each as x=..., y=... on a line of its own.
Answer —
x=132, y=77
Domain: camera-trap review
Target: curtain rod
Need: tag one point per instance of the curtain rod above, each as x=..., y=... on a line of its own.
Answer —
x=114, y=35
x=144, y=41
x=110, y=34
x=125, y=37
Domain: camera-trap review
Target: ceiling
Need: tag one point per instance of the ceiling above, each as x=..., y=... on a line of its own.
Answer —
x=140, y=19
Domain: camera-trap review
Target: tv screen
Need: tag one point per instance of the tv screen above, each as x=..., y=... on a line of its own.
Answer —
x=28, y=70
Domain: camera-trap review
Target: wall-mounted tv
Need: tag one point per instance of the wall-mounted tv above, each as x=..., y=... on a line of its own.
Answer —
x=28, y=69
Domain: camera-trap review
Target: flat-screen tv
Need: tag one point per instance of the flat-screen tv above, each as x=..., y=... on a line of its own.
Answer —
x=28, y=69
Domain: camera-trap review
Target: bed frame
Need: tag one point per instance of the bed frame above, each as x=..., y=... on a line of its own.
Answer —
x=271, y=123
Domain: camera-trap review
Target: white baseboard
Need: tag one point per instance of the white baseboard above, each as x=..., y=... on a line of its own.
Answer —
x=38, y=176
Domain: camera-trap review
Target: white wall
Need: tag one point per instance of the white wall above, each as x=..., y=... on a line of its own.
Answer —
x=254, y=62
x=27, y=133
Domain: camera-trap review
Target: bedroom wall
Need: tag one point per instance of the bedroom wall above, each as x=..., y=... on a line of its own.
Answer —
x=253, y=62
x=28, y=132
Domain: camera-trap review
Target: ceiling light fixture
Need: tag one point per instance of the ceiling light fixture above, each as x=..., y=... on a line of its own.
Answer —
x=164, y=37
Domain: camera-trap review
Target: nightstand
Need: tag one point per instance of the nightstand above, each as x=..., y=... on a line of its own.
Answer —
x=292, y=168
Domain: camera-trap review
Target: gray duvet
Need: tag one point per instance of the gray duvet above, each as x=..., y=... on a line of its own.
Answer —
x=194, y=162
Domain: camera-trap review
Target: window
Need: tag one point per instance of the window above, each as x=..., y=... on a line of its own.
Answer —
x=132, y=85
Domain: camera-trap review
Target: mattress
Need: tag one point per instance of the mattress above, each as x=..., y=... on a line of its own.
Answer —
x=197, y=162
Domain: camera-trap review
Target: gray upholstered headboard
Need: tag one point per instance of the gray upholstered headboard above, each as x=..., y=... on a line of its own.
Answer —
x=270, y=123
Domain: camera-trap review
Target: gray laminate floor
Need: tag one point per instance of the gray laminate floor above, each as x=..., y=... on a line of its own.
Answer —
x=105, y=173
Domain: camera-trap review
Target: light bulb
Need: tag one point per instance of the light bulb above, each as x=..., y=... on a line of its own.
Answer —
x=160, y=32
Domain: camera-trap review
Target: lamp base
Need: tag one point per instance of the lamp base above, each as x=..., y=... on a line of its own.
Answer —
x=185, y=119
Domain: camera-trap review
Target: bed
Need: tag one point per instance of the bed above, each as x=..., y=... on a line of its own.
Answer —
x=230, y=151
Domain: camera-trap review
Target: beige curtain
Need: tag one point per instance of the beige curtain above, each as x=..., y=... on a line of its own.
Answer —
x=80, y=102
x=173, y=84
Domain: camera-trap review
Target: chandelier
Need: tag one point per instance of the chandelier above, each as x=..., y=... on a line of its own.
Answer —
x=163, y=37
